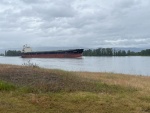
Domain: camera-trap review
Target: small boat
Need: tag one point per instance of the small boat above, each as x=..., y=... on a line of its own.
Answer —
x=71, y=53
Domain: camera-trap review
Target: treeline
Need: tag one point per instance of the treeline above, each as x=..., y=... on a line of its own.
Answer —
x=12, y=53
x=114, y=52
x=1, y=54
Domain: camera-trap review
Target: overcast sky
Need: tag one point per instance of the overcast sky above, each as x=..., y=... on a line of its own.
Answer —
x=75, y=23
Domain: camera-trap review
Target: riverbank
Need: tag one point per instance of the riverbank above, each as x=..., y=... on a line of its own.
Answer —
x=33, y=89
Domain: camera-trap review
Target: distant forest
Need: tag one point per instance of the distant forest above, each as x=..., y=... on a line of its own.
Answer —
x=114, y=52
x=12, y=53
x=95, y=52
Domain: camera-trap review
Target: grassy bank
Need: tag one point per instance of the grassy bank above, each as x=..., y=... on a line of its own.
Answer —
x=35, y=90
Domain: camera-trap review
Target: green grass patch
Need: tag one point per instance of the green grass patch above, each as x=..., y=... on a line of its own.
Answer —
x=5, y=86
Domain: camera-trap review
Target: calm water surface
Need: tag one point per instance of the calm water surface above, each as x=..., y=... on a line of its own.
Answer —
x=128, y=65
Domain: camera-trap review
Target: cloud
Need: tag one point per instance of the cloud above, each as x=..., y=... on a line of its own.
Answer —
x=83, y=23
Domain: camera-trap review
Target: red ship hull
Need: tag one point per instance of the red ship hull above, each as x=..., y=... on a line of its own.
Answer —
x=54, y=54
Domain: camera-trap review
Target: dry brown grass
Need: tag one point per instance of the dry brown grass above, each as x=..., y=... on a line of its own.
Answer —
x=53, y=80
x=140, y=82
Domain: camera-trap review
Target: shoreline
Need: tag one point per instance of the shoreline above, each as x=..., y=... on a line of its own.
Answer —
x=36, y=65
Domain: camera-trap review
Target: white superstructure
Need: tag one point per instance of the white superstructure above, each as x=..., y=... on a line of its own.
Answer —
x=26, y=49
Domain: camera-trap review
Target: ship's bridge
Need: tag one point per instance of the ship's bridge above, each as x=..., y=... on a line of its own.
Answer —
x=26, y=49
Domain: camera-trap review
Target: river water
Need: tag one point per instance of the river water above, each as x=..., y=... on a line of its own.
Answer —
x=136, y=65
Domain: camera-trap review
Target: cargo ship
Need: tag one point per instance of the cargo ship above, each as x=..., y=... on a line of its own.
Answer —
x=71, y=53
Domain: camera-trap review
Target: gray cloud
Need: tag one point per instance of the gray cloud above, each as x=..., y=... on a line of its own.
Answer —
x=79, y=23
